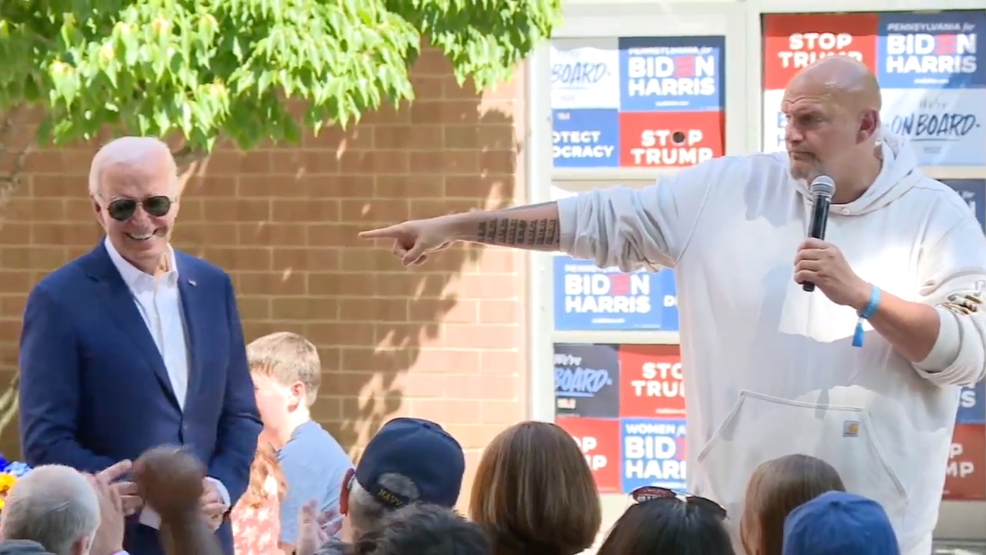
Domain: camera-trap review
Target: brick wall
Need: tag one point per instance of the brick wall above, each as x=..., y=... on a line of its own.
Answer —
x=445, y=341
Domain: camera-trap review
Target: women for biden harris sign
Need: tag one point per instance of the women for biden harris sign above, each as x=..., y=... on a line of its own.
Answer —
x=625, y=406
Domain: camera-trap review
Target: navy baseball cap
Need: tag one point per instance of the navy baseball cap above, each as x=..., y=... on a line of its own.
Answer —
x=839, y=523
x=412, y=460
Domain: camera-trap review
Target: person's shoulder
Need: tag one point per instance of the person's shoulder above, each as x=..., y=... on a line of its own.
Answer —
x=943, y=210
x=312, y=433
x=929, y=191
x=315, y=444
x=67, y=278
x=22, y=547
x=199, y=267
x=742, y=167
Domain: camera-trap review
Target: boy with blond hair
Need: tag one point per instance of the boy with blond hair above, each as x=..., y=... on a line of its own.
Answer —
x=286, y=375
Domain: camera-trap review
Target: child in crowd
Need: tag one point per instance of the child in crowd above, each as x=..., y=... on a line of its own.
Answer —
x=776, y=488
x=286, y=375
x=255, y=519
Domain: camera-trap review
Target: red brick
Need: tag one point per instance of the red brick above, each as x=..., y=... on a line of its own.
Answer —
x=444, y=341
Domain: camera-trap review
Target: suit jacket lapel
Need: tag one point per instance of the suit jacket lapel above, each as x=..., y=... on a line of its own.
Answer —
x=123, y=311
x=192, y=301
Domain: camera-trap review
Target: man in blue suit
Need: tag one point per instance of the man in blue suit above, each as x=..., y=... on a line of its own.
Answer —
x=136, y=345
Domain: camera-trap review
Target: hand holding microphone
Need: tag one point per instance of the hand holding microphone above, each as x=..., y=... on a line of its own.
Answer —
x=822, y=189
x=822, y=264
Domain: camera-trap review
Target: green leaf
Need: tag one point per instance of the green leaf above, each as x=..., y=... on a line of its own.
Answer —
x=229, y=68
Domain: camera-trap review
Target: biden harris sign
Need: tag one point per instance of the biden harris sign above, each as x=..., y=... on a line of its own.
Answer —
x=632, y=102
x=931, y=67
x=588, y=298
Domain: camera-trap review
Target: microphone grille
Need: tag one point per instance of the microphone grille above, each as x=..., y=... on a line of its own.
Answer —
x=823, y=186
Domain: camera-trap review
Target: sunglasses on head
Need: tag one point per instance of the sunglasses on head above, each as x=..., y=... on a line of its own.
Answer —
x=645, y=494
x=122, y=209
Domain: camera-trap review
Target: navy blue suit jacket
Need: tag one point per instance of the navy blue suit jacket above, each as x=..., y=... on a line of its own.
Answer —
x=94, y=389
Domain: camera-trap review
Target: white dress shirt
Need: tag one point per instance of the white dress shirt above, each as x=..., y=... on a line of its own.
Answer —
x=158, y=301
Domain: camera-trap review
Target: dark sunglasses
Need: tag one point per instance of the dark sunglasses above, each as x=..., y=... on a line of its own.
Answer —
x=122, y=209
x=650, y=493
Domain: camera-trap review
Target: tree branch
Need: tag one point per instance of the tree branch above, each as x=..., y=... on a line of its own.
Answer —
x=187, y=156
x=11, y=180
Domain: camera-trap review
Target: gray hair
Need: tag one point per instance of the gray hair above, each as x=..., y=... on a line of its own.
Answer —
x=366, y=511
x=126, y=151
x=52, y=505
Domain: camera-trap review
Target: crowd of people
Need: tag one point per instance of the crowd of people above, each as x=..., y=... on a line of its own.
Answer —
x=533, y=493
x=821, y=420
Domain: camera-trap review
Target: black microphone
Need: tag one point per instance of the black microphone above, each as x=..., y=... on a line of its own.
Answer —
x=822, y=189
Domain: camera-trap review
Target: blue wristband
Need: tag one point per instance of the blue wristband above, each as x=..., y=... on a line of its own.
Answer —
x=868, y=311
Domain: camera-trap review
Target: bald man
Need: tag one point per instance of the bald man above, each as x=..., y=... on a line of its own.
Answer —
x=771, y=369
x=136, y=345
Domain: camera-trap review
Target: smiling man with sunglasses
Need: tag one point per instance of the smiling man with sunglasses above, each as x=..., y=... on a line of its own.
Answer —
x=136, y=345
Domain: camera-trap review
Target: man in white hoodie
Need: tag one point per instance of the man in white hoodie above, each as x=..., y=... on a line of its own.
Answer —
x=773, y=369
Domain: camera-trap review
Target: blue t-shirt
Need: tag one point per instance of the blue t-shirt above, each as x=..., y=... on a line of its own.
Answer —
x=314, y=466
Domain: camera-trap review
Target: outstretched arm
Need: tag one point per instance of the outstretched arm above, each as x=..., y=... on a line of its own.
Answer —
x=614, y=227
x=532, y=227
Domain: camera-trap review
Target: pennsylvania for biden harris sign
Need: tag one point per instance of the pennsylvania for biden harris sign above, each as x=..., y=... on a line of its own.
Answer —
x=931, y=67
x=637, y=102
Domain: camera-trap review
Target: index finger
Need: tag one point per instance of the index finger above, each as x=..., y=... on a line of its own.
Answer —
x=115, y=472
x=389, y=232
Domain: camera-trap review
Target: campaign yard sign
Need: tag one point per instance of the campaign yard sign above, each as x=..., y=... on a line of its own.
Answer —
x=588, y=298
x=653, y=453
x=587, y=380
x=965, y=477
x=653, y=102
x=931, y=68
x=625, y=406
x=651, y=382
x=586, y=138
x=599, y=440
x=972, y=405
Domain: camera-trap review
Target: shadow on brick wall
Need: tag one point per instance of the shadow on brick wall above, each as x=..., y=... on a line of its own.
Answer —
x=283, y=221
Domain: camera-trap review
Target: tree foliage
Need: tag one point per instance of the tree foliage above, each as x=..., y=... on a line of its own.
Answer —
x=224, y=68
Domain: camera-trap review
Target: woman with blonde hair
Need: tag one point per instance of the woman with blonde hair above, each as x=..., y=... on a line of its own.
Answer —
x=776, y=488
x=256, y=517
x=534, y=493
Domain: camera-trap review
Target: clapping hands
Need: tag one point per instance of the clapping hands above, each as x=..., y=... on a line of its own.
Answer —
x=212, y=504
x=112, y=507
x=315, y=528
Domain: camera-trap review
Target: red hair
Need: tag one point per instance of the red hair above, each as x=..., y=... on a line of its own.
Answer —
x=264, y=466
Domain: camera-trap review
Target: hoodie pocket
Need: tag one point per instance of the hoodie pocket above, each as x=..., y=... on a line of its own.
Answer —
x=761, y=428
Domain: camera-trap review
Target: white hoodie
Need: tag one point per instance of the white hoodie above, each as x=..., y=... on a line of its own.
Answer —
x=770, y=369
